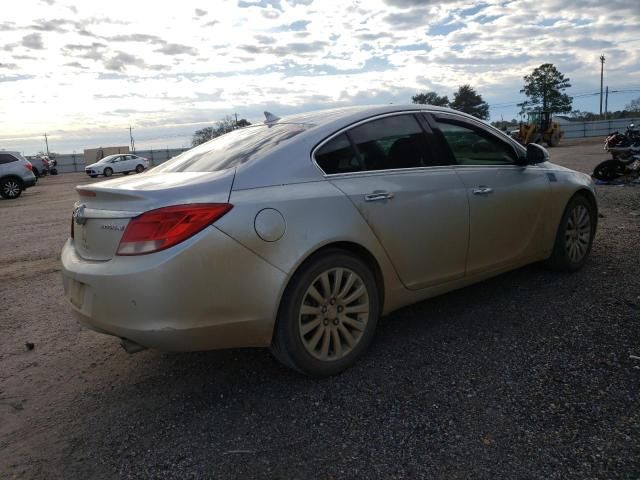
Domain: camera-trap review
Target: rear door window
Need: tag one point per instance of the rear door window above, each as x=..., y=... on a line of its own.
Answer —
x=338, y=156
x=6, y=158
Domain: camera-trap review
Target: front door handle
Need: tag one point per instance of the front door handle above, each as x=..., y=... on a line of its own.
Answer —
x=377, y=196
x=482, y=190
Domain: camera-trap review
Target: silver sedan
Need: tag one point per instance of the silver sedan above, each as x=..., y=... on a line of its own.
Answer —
x=299, y=233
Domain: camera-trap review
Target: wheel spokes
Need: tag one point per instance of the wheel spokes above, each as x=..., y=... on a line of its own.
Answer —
x=334, y=314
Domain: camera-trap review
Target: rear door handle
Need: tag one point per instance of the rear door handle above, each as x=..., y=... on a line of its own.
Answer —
x=377, y=196
x=482, y=190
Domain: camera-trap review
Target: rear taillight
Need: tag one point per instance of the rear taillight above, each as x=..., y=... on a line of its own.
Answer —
x=165, y=227
x=28, y=166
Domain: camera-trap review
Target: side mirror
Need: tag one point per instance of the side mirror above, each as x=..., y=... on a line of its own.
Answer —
x=536, y=154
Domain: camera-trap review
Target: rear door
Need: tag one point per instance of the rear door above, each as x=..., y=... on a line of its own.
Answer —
x=508, y=202
x=411, y=197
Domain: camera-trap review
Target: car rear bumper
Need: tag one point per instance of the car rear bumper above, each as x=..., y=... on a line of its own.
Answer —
x=209, y=292
x=29, y=182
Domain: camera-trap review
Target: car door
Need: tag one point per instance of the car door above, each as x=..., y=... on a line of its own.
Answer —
x=414, y=203
x=508, y=201
x=129, y=163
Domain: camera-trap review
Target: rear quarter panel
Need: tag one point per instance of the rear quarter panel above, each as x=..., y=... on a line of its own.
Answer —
x=316, y=214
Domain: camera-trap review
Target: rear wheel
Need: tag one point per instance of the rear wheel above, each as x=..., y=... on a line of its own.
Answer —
x=575, y=235
x=608, y=170
x=108, y=172
x=328, y=315
x=139, y=168
x=10, y=188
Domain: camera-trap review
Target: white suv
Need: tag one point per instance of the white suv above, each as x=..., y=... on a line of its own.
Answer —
x=120, y=163
x=16, y=174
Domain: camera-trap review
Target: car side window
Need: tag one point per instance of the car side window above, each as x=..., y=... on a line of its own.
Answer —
x=6, y=158
x=392, y=142
x=338, y=156
x=473, y=146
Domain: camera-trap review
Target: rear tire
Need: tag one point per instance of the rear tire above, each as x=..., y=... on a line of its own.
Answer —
x=608, y=170
x=107, y=172
x=575, y=235
x=10, y=188
x=328, y=314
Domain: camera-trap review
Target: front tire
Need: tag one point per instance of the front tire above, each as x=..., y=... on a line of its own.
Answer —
x=608, y=170
x=10, y=188
x=107, y=172
x=328, y=314
x=575, y=235
x=139, y=168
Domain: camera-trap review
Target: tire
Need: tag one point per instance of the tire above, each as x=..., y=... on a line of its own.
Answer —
x=327, y=339
x=608, y=170
x=54, y=171
x=139, y=168
x=10, y=188
x=36, y=172
x=107, y=172
x=575, y=235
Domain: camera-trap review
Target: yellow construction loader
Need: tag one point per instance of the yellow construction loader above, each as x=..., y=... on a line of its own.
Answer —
x=539, y=128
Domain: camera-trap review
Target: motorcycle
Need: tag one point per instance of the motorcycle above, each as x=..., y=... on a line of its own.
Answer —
x=623, y=145
x=618, y=167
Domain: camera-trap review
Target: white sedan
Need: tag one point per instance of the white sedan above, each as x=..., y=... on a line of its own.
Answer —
x=120, y=163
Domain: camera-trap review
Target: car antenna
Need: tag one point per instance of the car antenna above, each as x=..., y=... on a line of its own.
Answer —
x=270, y=117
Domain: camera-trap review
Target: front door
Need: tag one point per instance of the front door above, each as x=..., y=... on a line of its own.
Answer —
x=508, y=202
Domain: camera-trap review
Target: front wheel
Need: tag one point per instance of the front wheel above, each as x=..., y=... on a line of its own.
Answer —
x=108, y=172
x=328, y=314
x=575, y=235
x=10, y=188
x=139, y=168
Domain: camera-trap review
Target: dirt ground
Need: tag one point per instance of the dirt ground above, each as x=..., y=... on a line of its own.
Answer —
x=533, y=374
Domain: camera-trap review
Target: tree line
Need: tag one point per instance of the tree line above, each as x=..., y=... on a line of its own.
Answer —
x=221, y=127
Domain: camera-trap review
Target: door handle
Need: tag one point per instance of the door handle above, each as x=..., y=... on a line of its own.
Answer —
x=378, y=195
x=482, y=190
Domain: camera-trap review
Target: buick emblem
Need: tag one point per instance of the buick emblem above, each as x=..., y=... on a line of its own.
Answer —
x=78, y=215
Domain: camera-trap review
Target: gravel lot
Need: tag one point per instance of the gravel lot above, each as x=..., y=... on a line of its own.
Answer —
x=528, y=375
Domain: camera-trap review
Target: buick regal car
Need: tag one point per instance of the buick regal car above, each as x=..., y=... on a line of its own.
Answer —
x=299, y=233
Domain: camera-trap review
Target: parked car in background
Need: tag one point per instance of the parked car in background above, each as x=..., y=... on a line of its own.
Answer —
x=299, y=233
x=40, y=165
x=16, y=174
x=120, y=163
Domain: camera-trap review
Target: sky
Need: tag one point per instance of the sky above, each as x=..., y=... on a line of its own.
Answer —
x=84, y=71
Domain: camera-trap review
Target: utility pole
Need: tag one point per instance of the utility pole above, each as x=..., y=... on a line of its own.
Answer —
x=236, y=119
x=133, y=144
x=606, y=102
x=46, y=141
x=601, y=80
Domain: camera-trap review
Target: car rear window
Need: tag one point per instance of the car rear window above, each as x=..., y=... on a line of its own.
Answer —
x=232, y=149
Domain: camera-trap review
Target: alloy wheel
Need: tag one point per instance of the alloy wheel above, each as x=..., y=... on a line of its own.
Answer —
x=11, y=188
x=578, y=233
x=334, y=314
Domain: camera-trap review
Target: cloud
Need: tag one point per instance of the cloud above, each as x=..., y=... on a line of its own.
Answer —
x=137, y=37
x=121, y=60
x=53, y=25
x=8, y=66
x=200, y=13
x=177, y=49
x=409, y=19
x=33, y=41
x=416, y=3
x=95, y=51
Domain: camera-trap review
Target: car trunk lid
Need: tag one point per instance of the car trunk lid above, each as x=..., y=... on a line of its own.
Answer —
x=104, y=209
